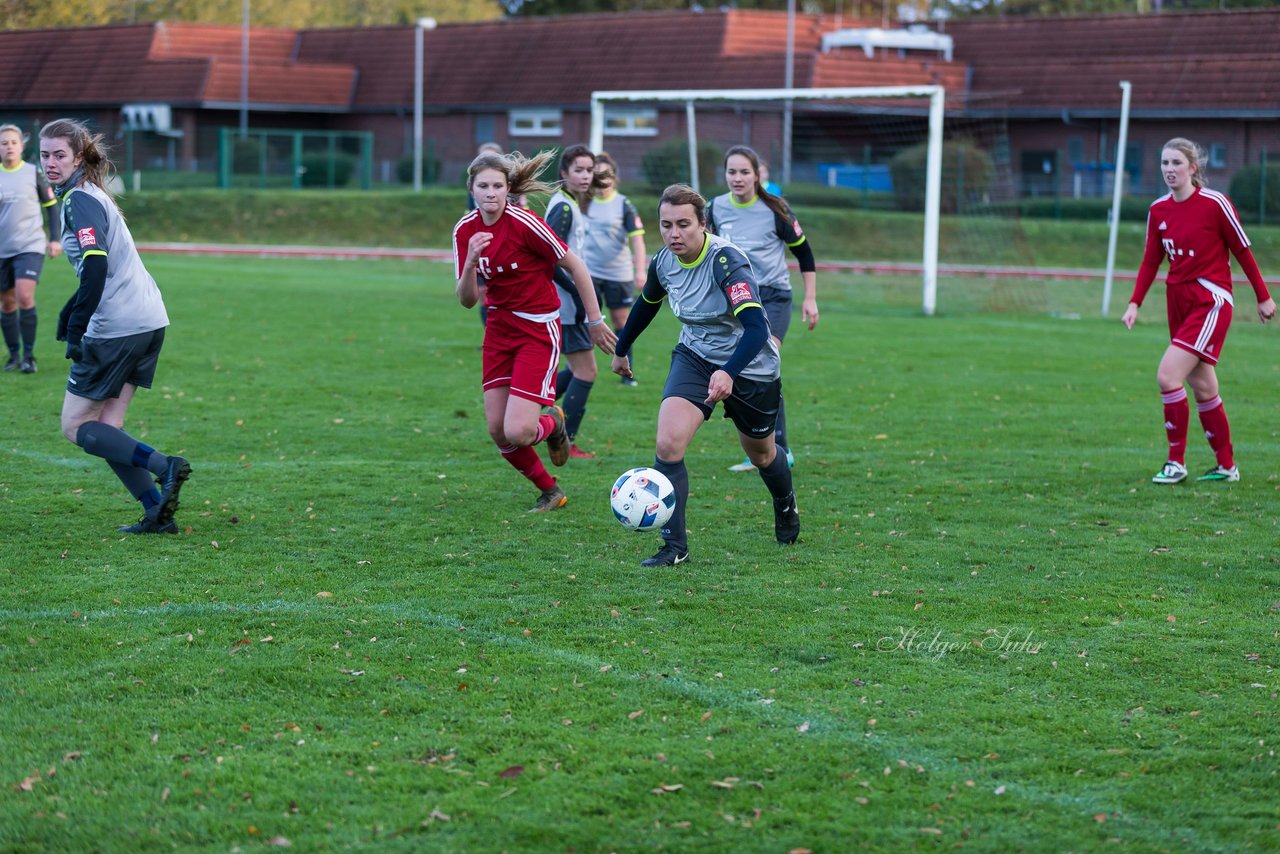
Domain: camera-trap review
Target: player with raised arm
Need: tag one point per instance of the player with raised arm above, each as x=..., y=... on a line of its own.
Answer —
x=725, y=353
x=24, y=191
x=763, y=226
x=1198, y=230
x=515, y=251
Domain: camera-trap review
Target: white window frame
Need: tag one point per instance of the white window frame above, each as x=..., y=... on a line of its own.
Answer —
x=624, y=122
x=1218, y=155
x=541, y=122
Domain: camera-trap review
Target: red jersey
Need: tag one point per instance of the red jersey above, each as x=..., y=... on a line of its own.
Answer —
x=1196, y=236
x=517, y=264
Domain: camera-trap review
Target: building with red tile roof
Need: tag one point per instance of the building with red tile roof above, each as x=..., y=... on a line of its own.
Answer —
x=1050, y=84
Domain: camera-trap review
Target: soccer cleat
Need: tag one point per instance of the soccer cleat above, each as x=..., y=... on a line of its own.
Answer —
x=170, y=484
x=1171, y=473
x=551, y=499
x=147, y=525
x=1229, y=475
x=745, y=465
x=28, y=364
x=14, y=362
x=668, y=555
x=786, y=519
x=558, y=439
x=576, y=453
x=630, y=382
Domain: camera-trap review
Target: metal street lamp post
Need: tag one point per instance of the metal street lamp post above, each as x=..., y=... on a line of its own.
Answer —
x=419, y=26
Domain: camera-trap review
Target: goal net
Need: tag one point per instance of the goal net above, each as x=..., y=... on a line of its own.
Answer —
x=934, y=194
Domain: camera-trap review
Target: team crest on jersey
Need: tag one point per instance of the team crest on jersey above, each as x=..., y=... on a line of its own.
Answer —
x=1163, y=226
x=87, y=237
x=739, y=292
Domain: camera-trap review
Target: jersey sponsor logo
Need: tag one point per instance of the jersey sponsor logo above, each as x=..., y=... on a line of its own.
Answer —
x=87, y=237
x=639, y=222
x=739, y=292
x=799, y=231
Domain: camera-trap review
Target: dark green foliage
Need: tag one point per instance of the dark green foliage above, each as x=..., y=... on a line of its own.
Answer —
x=668, y=163
x=321, y=170
x=966, y=176
x=1248, y=192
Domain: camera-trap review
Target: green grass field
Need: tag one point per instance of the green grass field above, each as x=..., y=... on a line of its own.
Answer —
x=995, y=632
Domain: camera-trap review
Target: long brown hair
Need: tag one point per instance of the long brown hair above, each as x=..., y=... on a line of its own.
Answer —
x=523, y=173
x=776, y=203
x=89, y=146
x=1195, y=158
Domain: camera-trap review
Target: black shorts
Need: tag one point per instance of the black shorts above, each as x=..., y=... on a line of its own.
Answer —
x=616, y=294
x=106, y=364
x=777, y=307
x=574, y=338
x=25, y=266
x=753, y=405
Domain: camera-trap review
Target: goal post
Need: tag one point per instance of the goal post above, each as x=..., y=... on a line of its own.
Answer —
x=692, y=97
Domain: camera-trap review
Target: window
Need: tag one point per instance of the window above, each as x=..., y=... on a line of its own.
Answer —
x=1217, y=156
x=534, y=123
x=630, y=122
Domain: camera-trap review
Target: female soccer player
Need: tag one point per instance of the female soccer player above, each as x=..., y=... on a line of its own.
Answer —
x=113, y=324
x=564, y=215
x=614, y=251
x=1196, y=228
x=724, y=354
x=515, y=251
x=24, y=190
x=762, y=225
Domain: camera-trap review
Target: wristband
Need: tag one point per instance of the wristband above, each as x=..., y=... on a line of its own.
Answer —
x=599, y=320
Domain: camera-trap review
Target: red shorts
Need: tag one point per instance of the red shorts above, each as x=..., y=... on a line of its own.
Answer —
x=522, y=354
x=1199, y=319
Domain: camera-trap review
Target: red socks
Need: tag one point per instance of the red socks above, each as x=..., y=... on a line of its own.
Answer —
x=526, y=461
x=1213, y=417
x=1176, y=416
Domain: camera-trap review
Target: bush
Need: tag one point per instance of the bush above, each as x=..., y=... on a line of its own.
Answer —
x=668, y=164
x=966, y=176
x=1246, y=185
x=430, y=170
x=316, y=170
x=246, y=156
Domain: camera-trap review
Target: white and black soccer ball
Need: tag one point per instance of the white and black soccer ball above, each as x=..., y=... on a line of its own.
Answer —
x=643, y=499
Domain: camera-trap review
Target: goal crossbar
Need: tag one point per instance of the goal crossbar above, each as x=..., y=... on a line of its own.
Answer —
x=933, y=167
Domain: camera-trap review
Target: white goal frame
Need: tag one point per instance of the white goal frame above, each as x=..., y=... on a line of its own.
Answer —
x=933, y=167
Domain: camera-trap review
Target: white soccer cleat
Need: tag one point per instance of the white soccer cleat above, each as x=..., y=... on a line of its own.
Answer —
x=1230, y=475
x=1171, y=473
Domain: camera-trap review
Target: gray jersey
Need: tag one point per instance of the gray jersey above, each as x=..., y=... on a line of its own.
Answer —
x=93, y=225
x=24, y=192
x=759, y=232
x=706, y=296
x=566, y=220
x=611, y=222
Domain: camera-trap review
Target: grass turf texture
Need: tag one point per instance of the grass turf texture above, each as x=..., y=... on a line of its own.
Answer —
x=995, y=631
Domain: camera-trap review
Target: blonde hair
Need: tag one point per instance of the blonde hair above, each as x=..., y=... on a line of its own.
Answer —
x=522, y=173
x=12, y=127
x=1195, y=158
x=89, y=146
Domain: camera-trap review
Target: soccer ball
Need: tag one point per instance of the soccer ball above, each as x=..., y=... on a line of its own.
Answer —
x=643, y=499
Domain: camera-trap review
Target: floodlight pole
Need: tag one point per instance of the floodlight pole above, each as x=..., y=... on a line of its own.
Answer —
x=788, y=83
x=244, y=69
x=1127, y=90
x=419, y=26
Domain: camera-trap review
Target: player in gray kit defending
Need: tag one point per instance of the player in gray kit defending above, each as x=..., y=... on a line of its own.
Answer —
x=725, y=354
x=24, y=190
x=113, y=324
